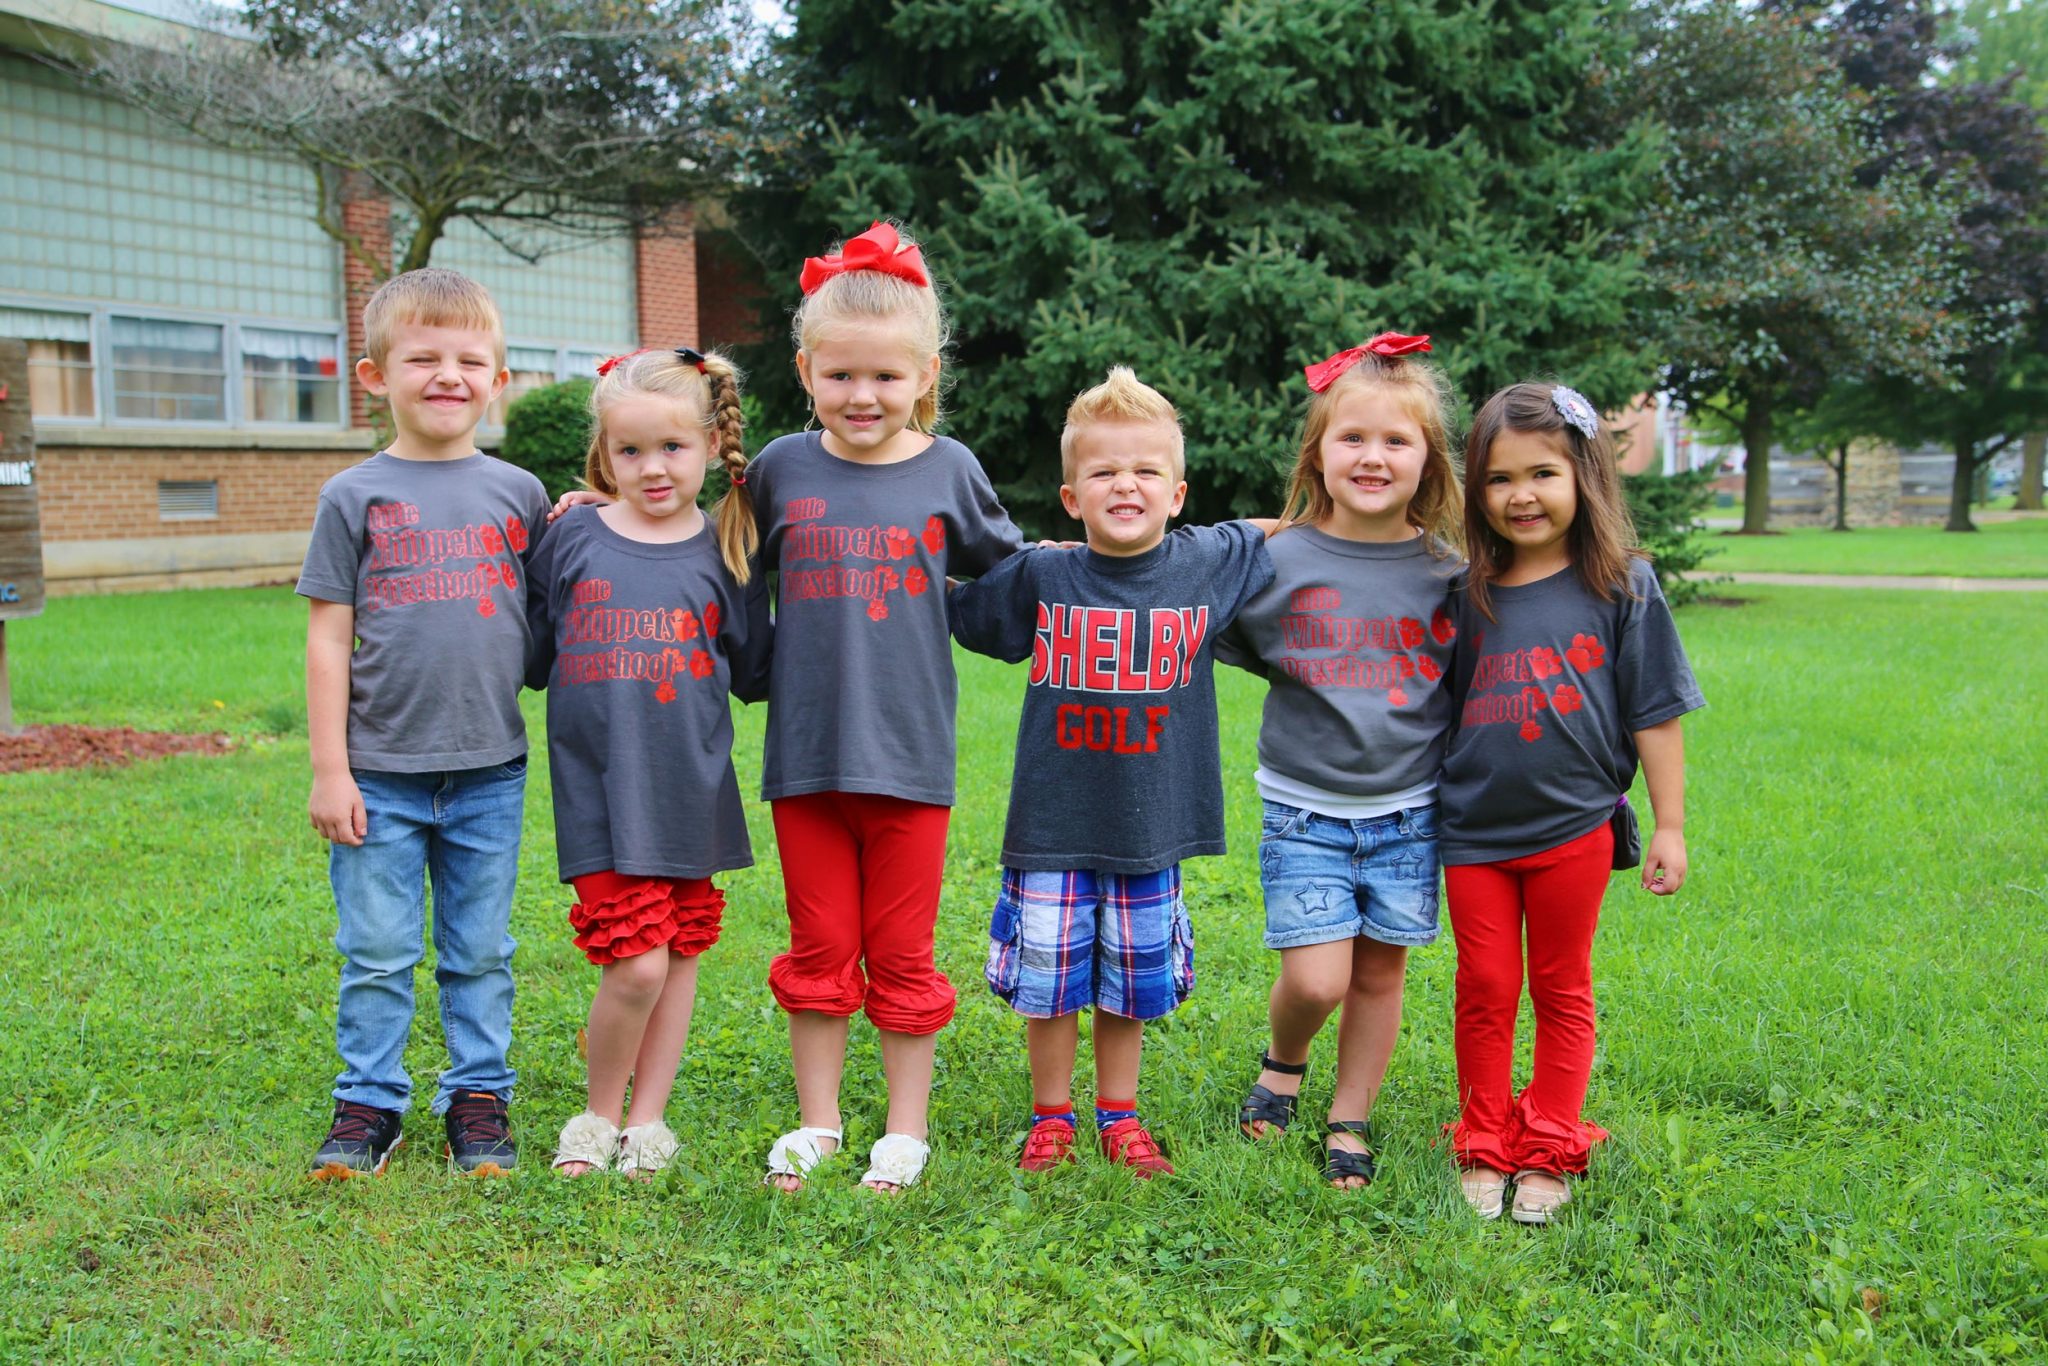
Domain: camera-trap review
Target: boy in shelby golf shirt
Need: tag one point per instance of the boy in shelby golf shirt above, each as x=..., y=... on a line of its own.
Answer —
x=1117, y=776
x=415, y=651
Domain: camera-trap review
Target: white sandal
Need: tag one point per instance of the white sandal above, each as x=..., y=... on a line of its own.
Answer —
x=1485, y=1194
x=1542, y=1206
x=796, y=1152
x=589, y=1138
x=645, y=1149
x=897, y=1159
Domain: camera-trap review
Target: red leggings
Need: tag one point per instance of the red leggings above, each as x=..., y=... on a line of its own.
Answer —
x=1556, y=894
x=861, y=875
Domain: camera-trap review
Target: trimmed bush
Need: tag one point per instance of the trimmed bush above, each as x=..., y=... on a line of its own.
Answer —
x=548, y=431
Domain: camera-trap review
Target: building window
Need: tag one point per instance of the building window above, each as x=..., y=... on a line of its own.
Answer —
x=167, y=371
x=582, y=364
x=290, y=377
x=59, y=360
x=532, y=368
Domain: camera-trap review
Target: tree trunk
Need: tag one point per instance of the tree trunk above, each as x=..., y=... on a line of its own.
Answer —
x=1756, y=457
x=1841, y=467
x=2031, y=462
x=1959, y=488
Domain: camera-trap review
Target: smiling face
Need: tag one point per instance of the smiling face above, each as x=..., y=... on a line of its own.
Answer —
x=439, y=381
x=1371, y=454
x=1125, y=484
x=1531, y=499
x=865, y=385
x=655, y=449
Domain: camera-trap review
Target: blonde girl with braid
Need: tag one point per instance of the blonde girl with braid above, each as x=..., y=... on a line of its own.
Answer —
x=644, y=615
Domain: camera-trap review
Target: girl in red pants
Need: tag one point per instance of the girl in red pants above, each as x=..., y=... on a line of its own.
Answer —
x=1569, y=672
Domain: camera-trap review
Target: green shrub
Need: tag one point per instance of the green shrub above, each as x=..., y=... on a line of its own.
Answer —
x=548, y=431
x=1667, y=509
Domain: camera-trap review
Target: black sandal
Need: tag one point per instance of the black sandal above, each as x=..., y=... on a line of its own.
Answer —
x=1339, y=1163
x=1266, y=1106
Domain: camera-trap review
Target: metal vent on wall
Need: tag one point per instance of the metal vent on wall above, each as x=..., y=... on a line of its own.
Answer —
x=187, y=500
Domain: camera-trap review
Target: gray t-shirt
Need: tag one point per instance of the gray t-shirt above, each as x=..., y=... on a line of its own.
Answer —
x=1355, y=638
x=1549, y=700
x=638, y=646
x=1117, y=765
x=432, y=555
x=863, y=688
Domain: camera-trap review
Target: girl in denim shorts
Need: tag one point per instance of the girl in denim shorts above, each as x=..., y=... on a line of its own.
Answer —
x=1355, y=638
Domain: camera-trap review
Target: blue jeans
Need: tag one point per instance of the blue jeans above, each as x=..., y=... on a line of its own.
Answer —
x=462, y=830
x=1327, y=879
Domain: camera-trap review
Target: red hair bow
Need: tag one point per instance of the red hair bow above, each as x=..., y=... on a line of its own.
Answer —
x=611, y=363
x=1324, y=374
x=879, y=248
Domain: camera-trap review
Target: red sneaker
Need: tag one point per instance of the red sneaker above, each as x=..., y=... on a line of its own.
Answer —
x=1050, y=1142
x=1128, y=1142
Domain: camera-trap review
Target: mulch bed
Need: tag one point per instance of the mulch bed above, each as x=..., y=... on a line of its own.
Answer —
x=50, y=747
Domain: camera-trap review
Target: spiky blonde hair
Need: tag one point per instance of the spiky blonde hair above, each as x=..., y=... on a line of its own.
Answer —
x=1122, y=397
x=431, y=297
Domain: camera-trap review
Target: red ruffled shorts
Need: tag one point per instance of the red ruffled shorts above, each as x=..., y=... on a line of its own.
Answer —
x=620, y=916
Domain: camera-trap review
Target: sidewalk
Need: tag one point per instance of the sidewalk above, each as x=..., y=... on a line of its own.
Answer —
x=1930, y=584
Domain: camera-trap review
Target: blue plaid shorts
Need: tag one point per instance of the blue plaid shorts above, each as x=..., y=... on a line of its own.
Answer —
x=1120, y=942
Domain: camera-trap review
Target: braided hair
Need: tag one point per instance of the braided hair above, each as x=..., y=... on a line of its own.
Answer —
x=710, y=382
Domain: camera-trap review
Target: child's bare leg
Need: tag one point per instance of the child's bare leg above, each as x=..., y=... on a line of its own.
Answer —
x=907, y=1063
x=1311, y=984
x=1366, y=1033
x=626, y=997
x=817, y=1052
x=661, y=1048
x=1052, y=1045
x=1118, y=1042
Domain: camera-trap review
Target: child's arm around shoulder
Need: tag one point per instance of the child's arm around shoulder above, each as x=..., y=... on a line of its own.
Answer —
x=997, y=614
x=336, y=806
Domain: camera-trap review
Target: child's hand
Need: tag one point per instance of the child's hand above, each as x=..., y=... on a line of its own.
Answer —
x=573, y=498
x=1664, y=863
x=337, y=809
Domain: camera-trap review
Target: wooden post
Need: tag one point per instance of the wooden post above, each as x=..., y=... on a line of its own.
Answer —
x=21, y=536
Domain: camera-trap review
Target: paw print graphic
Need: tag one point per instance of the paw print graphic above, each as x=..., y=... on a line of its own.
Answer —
x=485, y=607
x=515, y=532
x=1535, y=698
x=686, y=624
x=1567, y=700
x=1441, y=629
x=489, y=569
x=934, y=534
x=666, y=693
x=1411, y=633
x=1428, y=668
x=915, y=581
x=1543, y=661
x=900, y=542
x=877, y=609
x=508, y=576
x=887, y=578
x=1586, y=653
x=1402, y=665
x=1396, y=697
x=712, y=617
x=493, y=542
x=701, y=664
x=1530, y=730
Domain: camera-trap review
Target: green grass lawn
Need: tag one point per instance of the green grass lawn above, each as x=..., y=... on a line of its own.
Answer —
x=1996, y=550
x=1822, y=1063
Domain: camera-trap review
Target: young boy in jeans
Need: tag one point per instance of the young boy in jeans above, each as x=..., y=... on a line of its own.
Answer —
x=414, y=656
x=1117, y=776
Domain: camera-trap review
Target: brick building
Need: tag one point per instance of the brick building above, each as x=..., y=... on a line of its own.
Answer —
x=192, y=333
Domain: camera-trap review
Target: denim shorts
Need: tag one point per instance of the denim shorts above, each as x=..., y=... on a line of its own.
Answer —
x=1121, y=942
x=1327, y=879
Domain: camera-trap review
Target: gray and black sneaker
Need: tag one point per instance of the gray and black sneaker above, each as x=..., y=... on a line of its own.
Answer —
x=359, y=1142
x=479, y=1137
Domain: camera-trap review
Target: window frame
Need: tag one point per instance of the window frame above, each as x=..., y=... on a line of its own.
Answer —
x=563, y=368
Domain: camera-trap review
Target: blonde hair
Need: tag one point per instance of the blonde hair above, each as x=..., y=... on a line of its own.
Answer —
x=858, y=301
x=1122, y=397
x=1425, y=394
x=431, y=297
x=714, y=393
x=1602, y=537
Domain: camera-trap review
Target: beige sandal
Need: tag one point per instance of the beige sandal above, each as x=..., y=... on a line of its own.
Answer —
x=1537, y=1205
x=590, y=1139
x=645, y=1149
x=1485, y=1190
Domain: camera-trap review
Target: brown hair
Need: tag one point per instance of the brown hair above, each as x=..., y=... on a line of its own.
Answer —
x=1425, y=393
x=1122, y=397
x=1602, y=537
x=859, y=299
x=714, y=392
x=431, y=297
